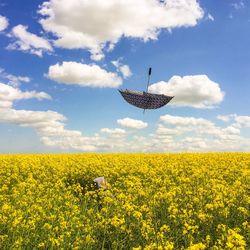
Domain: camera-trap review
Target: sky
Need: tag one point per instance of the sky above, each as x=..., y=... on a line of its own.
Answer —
x=62, y=63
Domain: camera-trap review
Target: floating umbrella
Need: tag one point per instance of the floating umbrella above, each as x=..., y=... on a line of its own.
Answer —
x=145, y=100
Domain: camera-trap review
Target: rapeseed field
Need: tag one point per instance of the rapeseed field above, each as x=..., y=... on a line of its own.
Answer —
x=154, y=201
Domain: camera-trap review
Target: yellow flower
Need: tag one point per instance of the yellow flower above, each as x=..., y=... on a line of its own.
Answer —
x=235, y=240
x=198, y=246
x=43, y=204
x=41, y=245
x=89, y=239
x=47, y=226
x=116, y=222
x=137, y=215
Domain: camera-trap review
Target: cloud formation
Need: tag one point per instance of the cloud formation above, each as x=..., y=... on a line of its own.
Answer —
x=132, y=123
x=3, y=23
x=83, y=75
x=210, y=17
x=226, y=118
x=184, y=121
x=49, y=125
x=94, y=25
x=123, y=68
x=173, y=133
x=116, y=132
x=199, y=134
x=242, y=121
x=14, y=81
x=196, y=91
x=240, y=4
x=9, y=94
x=28, y=42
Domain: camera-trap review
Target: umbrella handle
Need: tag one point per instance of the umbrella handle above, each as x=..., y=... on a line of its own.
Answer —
x=149, y=74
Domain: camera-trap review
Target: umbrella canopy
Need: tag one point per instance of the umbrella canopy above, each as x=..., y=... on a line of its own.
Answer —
x=145, y=100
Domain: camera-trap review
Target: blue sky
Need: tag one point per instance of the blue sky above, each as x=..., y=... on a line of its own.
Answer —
x=62, y=62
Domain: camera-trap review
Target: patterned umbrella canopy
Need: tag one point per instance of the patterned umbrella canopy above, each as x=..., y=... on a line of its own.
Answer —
x=145, y=100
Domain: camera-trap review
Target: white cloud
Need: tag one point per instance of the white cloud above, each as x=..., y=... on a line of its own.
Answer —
x=28, y=42
x=132, y=123
x=194, y=144
x=14, y=81
x=210, y=17
x=83, y=75
x=95, y=25
x=173, y=133
x=8, y=94
x=185, y=121
x=238, y=5
x=243, y=121
x=198, y=128
x=196, y=91
x=169, y=132
x=3, y=23
x=49, y=125
x=123, y=68
x=96, y=54
x=116, y=63
x=199, y=134
x=226, y=118
x=36, y=119
x=240, y=121
x=117, y=132
x=79, y=143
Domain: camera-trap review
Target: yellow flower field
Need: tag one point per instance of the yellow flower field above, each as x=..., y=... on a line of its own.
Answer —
x=154, y=201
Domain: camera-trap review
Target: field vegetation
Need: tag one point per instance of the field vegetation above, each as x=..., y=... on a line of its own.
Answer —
x=154, y=201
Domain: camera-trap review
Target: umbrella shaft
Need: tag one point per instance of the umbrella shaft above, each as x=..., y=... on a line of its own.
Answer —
x=148, y=83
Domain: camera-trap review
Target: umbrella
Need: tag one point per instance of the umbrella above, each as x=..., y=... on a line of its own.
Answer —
x=144, y=99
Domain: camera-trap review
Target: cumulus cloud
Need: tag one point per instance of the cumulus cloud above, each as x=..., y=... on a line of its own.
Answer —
x=163, y=131
x=242, y=121
x=123, y=68
x=28, y=42
x=3, y=23
x=184, y=121
x=199, y=134
x=173, y=133
x=49, y=125
x=196, y=91
x=94, y=25
x=178, y=125
x=8, y=94
x=83, y=75
x=96, y=55
x=79, y=143
x=117, y=132
x=200, y=127
x=132, y=123
x=37, y=119
x=226, y=118
x=13, y=80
